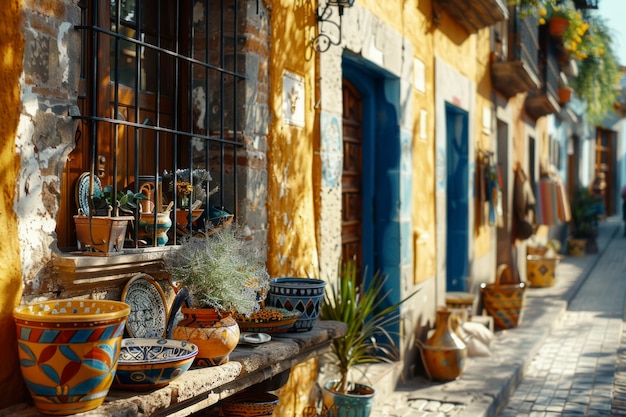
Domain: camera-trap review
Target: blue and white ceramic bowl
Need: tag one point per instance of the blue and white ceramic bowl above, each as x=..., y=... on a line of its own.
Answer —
x=152, y=363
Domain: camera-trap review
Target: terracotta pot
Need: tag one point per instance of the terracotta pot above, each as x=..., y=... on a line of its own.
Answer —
x=182, y=216
x=444, y=354
x=557, y=26
x=216, y=334
x=103, y=235
x=565, y=95
x=68, y=352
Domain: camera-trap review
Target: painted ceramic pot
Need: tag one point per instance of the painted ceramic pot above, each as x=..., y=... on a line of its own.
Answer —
x=303, y=294
x=253, y=404
x=215, y=334
x=146, y=227
x=355, y=403
x=444, y=354
x=68, y=351
x=152, y=363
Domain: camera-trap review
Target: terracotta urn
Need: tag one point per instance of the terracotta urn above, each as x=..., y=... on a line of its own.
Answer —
x=444, y=354
x=215, y=333
x=68, y=352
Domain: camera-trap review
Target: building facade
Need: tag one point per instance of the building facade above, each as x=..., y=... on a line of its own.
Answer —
x=390, y=133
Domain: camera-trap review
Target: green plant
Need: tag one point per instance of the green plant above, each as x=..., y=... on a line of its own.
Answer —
x=584, y=214
x=219, y=271
x=598, y=72
x=126, y=201
x=362, y=309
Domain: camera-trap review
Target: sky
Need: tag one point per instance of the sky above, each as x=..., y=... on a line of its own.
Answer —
x=614, y=13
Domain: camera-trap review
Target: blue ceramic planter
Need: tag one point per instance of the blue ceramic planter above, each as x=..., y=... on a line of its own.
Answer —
x=303, y=294
x=356, y=403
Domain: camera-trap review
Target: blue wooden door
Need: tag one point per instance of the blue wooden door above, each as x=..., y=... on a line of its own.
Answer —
x=457, y=201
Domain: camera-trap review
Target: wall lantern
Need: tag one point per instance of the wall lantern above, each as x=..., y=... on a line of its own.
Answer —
x=586, y=4
x=323, y=41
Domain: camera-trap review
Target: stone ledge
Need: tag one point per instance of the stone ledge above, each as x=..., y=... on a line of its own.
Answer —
x=200, y=388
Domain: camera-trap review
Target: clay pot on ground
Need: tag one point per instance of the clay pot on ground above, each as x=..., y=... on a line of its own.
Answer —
x=443, y=354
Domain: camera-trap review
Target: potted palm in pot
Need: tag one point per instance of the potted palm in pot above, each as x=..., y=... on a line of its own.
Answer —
x=222, y=276
x=366, y=341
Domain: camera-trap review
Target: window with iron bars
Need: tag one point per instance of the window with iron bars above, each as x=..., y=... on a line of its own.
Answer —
x=160, y=98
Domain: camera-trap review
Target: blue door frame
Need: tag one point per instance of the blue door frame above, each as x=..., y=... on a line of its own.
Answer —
x=457, y=199
x=381, y=171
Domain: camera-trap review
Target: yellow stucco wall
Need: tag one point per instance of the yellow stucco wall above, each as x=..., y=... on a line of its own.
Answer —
x=291, y=236
x=11, y=50
x=292, y=244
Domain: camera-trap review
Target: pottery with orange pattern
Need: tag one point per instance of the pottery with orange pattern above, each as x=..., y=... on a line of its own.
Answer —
x=216, y=334
x=68, y=352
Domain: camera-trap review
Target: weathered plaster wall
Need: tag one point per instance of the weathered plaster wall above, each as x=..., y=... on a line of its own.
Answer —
x=39, y=81
x=46, y=131
x=11, y=51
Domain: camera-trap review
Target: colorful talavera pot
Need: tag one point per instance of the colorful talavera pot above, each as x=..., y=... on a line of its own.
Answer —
x=68, y=352
x=298, y=294
x=215, y=333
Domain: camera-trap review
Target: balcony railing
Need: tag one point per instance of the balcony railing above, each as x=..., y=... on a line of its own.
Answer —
x=517, y=69
x=476, y=14
x=544, y=100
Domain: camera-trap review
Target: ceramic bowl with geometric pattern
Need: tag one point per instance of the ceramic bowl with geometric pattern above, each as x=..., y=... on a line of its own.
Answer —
x=152, y=363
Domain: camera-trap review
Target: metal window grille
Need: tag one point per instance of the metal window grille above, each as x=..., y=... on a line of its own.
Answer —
x=161, y=105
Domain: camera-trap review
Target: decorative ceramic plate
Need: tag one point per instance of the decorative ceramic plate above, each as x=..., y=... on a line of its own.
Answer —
x=82, y=191
x=268, y=320
x=148, y=315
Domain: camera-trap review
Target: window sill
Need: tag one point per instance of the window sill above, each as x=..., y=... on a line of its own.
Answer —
x=83, y=270
x=201, y=388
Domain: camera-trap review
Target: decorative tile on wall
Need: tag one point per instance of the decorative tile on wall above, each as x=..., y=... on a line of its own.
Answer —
x=332, y=150
x=293, y=99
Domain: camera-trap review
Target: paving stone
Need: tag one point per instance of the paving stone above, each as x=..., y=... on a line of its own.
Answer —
x=559, y=362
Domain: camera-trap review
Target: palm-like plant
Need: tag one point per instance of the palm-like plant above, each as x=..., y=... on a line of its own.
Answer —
x=362, y=309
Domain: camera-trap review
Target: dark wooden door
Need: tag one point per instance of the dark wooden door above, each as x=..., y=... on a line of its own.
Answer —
x=351, y=191
x=605, y=145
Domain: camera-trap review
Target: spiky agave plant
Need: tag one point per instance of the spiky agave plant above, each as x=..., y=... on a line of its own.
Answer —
x=361, y=308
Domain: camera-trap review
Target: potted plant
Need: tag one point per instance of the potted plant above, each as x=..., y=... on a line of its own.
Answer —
x=366, y=341
x=223, y=275
x=584, y=216
x=100, y=229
